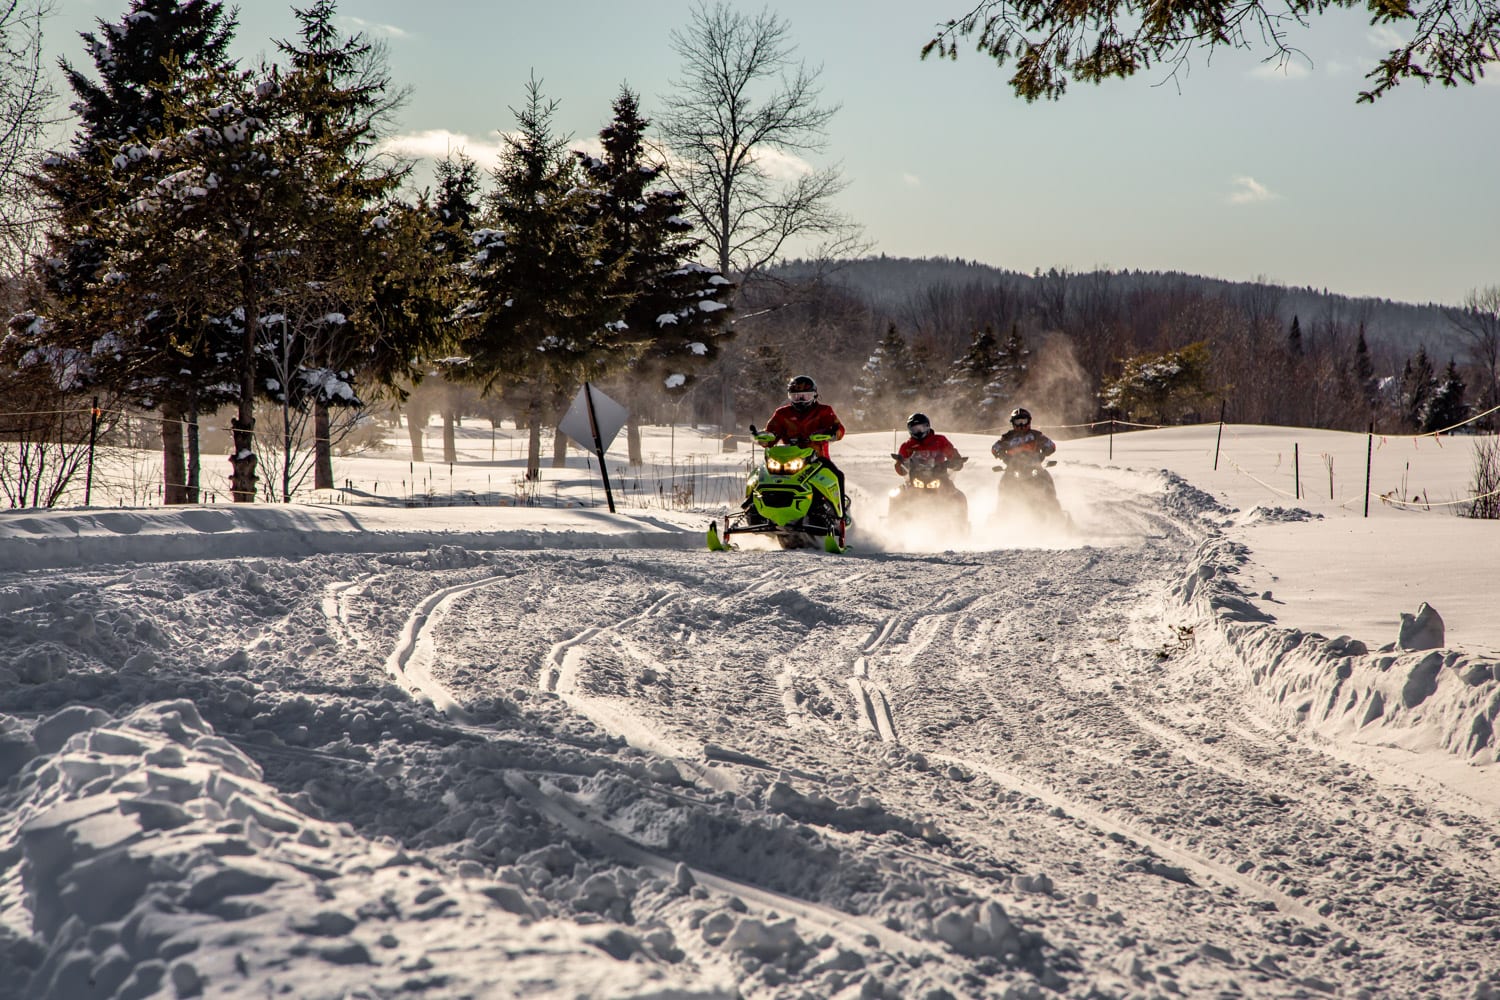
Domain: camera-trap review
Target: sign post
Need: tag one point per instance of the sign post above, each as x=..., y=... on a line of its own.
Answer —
x=592, y=421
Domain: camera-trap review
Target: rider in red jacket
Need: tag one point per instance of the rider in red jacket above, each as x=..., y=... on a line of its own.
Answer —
x=923, y=439
x=799, y=419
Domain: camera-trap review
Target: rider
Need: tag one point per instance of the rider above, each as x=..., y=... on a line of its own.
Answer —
x=1021, y=443
x=929, y=443
x=799, y=419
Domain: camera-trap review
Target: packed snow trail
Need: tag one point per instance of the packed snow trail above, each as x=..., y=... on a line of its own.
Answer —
x=982, y=773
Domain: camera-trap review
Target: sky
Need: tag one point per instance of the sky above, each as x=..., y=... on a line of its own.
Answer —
x=340, y=750
x=1234, y=169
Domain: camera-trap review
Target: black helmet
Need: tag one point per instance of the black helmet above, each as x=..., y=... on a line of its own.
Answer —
x=1020, y=415
x=802, y=391
x=915, y=419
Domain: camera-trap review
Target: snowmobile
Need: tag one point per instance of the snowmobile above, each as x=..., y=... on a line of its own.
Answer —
x=791, y=498
x=928, y=497
x=1028, y=494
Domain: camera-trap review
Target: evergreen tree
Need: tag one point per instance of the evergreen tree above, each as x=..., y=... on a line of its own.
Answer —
x=338, y=89
x=1418, y=383
x=163, y=360
x=1446, y=407
x=1294, y=338
x=227, y=200
x=436, y=236
x=884, y=392
x=1014, y=364
x=976, y=381
x=674, y=310
x=542, y=293
x=1160, y=388
x=1364, y=371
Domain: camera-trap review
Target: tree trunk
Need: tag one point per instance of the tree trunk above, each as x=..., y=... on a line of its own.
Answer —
x=173, y=471
x=242, y=459
x=559, y=439
x=450, y=444
x=534, y=436
x=322, y=448
x=194, y=457
x=633, y=439
x=416, y=426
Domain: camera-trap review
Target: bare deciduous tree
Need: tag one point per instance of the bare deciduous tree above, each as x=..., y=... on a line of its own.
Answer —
x=735, y=153
x=1479, y=321
x=734, y=130
x=26, y=98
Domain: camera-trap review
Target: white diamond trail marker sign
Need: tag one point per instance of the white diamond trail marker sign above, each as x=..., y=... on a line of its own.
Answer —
x=592, y=421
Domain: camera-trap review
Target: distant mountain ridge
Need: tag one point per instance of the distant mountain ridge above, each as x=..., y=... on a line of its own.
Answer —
x=885, y=284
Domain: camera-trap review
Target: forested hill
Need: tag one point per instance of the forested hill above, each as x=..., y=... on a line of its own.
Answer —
x=894, y=287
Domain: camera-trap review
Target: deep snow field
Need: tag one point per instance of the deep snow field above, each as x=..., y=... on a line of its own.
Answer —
x=441, y=743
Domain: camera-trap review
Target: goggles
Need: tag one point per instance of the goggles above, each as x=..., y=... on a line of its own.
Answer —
x=802, y=397
x=1019, y=422
x=920, y=430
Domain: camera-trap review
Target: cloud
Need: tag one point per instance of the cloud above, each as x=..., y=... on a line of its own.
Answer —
x=437, y=144
x=1288, y=66
x=1251, y=191
x=782, y=166
x=1385, y=38
x=911, y=180
x=375, y=28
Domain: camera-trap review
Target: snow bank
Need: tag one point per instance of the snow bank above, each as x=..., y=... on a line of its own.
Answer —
x=1418, y=699
x=62, y=539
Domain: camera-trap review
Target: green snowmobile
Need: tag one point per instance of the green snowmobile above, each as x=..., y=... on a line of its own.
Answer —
x=791, y=497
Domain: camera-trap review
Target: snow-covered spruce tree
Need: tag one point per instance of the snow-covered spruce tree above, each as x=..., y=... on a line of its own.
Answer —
x=235, y=167
x=976, y=382
x=339, y=94
x=164, y=359
x=544, y=312
x=1446, y=407
x=885, y=390
x=1160, y=388
x=674, y=308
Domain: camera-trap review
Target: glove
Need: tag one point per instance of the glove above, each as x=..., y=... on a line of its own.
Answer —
x=765, y=438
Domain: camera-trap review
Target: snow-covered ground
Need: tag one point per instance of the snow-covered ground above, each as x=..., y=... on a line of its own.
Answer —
x=373, y=749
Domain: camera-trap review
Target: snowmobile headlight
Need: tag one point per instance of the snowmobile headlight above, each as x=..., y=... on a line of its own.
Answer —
x=933, y=484
x=772, y=465
x=790, y=465
x=919, y=484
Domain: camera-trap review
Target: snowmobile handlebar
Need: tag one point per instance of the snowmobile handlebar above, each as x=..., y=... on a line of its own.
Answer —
x=946, y=465
x=765, y=438
x=1003, y=464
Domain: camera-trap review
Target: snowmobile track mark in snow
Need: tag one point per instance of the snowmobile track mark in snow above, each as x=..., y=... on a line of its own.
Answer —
x=1206, y=868
x=573, y=816
x=408, y=669
x=875, y=709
